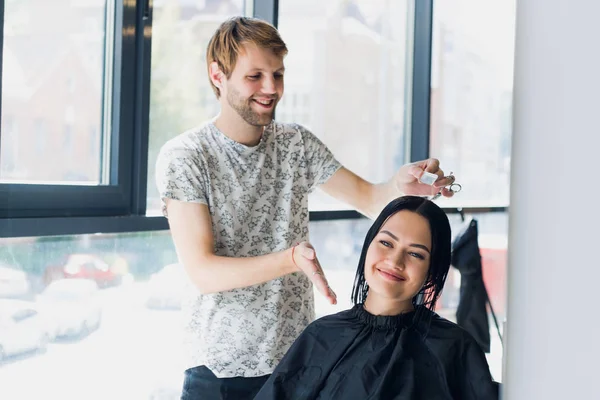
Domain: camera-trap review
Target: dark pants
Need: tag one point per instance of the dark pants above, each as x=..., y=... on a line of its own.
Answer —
x=201, y=384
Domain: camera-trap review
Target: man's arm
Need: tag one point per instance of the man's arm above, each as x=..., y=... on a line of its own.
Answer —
x=365, y=197
x=369, y=199
x=191, y=229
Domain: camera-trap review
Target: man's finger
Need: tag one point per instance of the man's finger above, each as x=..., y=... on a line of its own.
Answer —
x=319, y=280
x=433, y=164
x=444, y=181
x=326, y=291
x=416, y=171
x=321, y=283
x=308, y=253
x=447, y=192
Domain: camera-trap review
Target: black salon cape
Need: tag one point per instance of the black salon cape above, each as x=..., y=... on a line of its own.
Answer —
x=356, y=355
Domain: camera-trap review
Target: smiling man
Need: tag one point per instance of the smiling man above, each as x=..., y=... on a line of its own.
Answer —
x=235, y=191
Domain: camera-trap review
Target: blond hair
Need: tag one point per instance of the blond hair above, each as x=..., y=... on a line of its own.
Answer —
x=225, y=45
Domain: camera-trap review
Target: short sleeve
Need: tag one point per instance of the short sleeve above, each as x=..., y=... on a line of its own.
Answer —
x=320, y=162
x=180, y=175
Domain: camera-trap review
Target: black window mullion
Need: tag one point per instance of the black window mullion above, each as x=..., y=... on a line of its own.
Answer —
x=140, y=164
x=267, y=10
x=1, y=63
x=124, y=96
x=421, y=86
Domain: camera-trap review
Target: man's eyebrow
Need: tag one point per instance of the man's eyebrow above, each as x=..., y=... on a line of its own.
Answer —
x=282, y=69
x=420, y=246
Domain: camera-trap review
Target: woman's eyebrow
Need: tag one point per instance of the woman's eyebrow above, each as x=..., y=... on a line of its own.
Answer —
x=420, y=246
x=391, y=234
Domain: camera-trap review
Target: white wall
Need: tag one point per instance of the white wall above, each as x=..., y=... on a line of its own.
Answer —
x=553, y=324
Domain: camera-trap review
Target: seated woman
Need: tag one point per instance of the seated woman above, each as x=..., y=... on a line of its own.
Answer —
x=390, y=345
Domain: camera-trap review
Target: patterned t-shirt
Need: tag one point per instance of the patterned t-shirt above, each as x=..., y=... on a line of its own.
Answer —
x=258, y=202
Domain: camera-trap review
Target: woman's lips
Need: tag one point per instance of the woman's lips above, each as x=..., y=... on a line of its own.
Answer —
x=391, y=275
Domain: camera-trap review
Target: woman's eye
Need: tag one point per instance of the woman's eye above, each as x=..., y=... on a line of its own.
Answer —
x=417, y=255
x=254, y=77
x=385, y=243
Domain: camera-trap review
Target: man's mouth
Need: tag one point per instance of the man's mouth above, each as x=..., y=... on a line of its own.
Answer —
x=392, y=276
x=265, y=103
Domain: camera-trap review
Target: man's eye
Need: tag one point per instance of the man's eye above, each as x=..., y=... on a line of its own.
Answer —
x=254, y=77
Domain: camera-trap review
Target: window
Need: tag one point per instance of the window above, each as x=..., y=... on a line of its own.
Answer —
x=131, y=301
x=68, y=139
x=470, y=131
x=349, y=59
x=94, y=143
x=71, y=83
x=10, y=138
x=60, y=69
x=47, y=47
x=471, y=97
x=180, y=94
x=104, y=304
x=40, y=135
x=493, y=242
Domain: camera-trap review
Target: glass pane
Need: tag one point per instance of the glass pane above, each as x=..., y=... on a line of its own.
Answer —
x=53, y=69
x=493, y=242
x=180, y=93
x=339, y=243
x=471, y=97
x=346, y=80
x=79, y=310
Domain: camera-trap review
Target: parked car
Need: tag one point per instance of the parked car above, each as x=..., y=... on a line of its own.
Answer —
x=84, y=266
x=166, y=287
x=71, y=306
x=13, y=282
x=22, y=329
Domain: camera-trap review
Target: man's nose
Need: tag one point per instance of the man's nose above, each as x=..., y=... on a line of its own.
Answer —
x=269, y=86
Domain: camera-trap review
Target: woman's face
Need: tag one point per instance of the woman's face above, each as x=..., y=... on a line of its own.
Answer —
x=398, y=258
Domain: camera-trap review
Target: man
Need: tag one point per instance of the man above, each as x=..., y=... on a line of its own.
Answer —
x=235, y=191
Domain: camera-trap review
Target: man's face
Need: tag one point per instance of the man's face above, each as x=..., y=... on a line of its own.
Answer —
x=255, y=85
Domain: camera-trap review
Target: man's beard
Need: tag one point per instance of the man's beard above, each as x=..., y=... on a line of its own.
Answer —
x=244, y=108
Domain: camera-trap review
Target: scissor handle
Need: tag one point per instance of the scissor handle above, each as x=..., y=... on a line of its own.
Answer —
x=455, y=187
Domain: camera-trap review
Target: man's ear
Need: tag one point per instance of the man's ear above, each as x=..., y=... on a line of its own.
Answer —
x=216, y=75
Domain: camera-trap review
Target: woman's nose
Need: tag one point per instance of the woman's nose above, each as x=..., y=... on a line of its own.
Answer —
x=396, y=261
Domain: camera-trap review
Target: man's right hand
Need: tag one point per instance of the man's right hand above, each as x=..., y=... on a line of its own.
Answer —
x=305, y=258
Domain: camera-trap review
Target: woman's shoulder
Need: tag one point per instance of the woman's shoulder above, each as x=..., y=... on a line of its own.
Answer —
x=341, y=317
x=440, y=328
x=342, y=320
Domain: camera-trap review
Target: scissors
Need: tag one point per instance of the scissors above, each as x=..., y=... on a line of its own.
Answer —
x=453, y=187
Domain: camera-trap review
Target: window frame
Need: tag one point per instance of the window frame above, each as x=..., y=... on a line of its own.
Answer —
x=118, y=197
